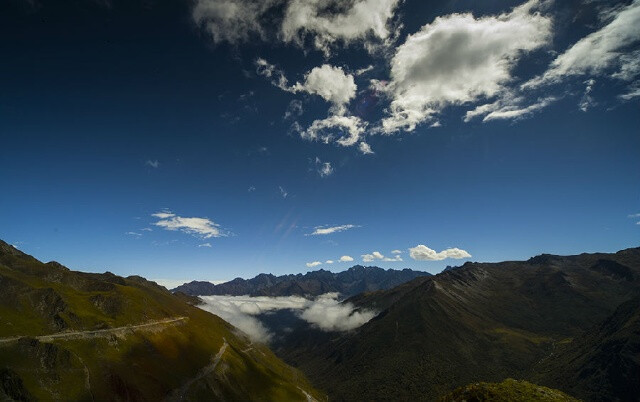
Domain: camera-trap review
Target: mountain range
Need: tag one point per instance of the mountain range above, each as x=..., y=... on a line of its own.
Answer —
x=68, y=335
x=356, y=279
x=566, y=322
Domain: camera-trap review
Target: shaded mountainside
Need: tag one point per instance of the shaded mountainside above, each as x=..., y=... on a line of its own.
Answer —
x=604, y=362
x=356, y=279
x=69, y=335
x=478, y=322
x=509, y=390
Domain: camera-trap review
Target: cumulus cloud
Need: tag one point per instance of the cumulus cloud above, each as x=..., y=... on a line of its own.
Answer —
x=346, y=258
x=326, y=230
x=424, y=253
x=358, y=20
x=313, y=264
x=459, y=58
x=600, y=50
x=329, y=262
x=200, y=227
x=324, y=169
x=396, y=252
x=327, y=22
x=324, y=312
x=376, y=255
x=330, y=83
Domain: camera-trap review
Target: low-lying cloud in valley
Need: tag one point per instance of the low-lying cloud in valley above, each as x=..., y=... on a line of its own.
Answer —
x=325, y=312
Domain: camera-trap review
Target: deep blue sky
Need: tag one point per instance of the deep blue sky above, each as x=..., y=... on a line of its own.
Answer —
x=92, y=94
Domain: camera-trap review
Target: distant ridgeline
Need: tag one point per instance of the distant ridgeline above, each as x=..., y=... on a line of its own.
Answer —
x=76, y=336
x=356, y=279
x=570, y=323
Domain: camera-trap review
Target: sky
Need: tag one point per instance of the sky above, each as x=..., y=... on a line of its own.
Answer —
x=214, y=139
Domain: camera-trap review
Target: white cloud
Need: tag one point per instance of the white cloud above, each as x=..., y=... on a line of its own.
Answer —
x=293, y=110
x=350, y=129
x=396, y=252
x=326, y=230
x=327, y=314
x=376, y=255
x=459, y=58
x=504, y=110
x=324, y=169
x=204, y=245
x=147, y=230
x=200, y=227
x=283, y=192
x=634, y=92
x=154, y=164
x=232, y=21
x=251, y=189
x=365, y=148
x=133, y=234
x=324, y=312
x=330, y=83
x=587, y=100
x=424, y=253
x=313, y=264
x=359, y=20
x=600, y=50
x=346, y=258
x=329, y=262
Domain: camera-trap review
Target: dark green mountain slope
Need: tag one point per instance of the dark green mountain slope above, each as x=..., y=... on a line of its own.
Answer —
x=355, y=280
x=69, y=335
x=479, y=322
x=603, y=363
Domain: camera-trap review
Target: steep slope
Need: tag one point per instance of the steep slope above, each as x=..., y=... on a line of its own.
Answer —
x=479, y=322
x=77, y=336
x=603, y=363
x=355, y=280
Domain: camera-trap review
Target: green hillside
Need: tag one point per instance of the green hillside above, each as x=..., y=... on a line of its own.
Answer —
x=69, y=335
x=507, y=391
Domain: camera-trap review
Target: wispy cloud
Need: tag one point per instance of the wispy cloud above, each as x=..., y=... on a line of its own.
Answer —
x=283, y=192
x=324, y=169
x=199, y=227
x=204, y=245
x=154, y=164
x=135, y=234
x=424, y=253
x=327, y=230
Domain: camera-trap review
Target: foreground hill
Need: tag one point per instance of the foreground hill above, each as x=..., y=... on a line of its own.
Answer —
x=481, y=322
x=69, y=335
x=507, y=391
x=356, y=279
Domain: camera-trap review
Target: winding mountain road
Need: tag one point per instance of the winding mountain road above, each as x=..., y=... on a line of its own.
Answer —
x=98, y=332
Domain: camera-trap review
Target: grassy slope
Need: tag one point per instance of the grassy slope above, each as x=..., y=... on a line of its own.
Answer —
x=481, y=322
x=146, y=364
x=507, y=391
